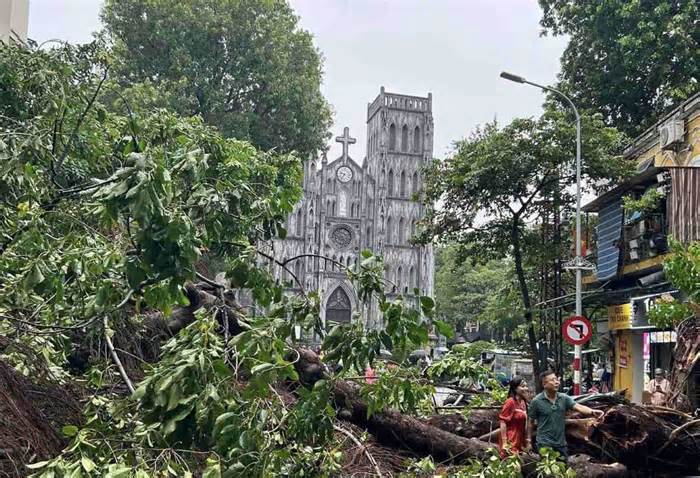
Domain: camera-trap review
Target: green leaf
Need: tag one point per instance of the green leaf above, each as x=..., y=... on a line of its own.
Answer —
x=221, y=368
x=427, y=302
x=118, y=471
x=37, y=465
x=213, y=469
x=261, y=368
x=444, y=328
x=87, y=464
x=34, y=277
x=70, y=430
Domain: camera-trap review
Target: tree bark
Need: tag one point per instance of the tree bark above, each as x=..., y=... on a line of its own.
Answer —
x=476, y=424
x=202, y=295
x=525, y=293
x=390, y=427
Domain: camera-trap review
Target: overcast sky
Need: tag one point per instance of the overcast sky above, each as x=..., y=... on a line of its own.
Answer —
x=452, y=48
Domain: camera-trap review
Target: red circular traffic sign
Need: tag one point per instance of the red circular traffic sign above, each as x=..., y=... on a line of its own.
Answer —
x=577, y=330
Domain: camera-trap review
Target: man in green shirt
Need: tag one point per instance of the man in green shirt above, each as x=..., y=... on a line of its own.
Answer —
x=548, y=412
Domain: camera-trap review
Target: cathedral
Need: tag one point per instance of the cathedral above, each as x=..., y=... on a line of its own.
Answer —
x=349, y=206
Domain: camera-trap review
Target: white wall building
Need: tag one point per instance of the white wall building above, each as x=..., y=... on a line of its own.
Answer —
x=14, y=21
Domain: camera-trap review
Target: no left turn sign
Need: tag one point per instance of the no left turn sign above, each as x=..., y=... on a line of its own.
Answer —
x=577, y=330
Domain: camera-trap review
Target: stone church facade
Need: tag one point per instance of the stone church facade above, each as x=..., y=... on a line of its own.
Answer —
x=348, y=207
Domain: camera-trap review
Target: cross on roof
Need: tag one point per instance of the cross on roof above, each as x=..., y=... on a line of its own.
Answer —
x=346, y=140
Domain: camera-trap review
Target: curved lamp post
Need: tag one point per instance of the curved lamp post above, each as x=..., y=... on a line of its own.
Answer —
x=578, y=264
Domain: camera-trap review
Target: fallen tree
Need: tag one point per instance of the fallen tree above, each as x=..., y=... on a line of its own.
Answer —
x=448, y=438
x=102, y=240
x=640, y=437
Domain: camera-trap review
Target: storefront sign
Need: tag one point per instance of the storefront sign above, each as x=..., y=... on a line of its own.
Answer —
x=620, y=316
x=642, y=305
x=622, y=352
x=666, y=337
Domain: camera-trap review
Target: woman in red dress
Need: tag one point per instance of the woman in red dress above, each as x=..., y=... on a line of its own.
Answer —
x=513, y=419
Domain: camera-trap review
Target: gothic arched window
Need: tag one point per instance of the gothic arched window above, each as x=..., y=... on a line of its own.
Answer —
x=368, y=239
x=414, y=182
x=299, y=228
x=299, y=271
x=338, y=308
x=399, y=278
x=342, y=204
x=403, y=188
x=404, y=138
x=401, y=232
x=388, y=231
x=416, y=140
x=412, y=275
x=392, y=137
x=390, y=183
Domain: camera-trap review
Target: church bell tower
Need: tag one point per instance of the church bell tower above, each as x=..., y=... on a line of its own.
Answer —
x=399, y=144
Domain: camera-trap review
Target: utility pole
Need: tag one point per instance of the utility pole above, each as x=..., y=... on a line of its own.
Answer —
x=578, y=264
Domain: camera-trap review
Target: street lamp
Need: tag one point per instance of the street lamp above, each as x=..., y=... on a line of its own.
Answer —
x=579, y=263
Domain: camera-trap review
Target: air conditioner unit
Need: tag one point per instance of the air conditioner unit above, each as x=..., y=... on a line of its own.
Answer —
x=671, y=133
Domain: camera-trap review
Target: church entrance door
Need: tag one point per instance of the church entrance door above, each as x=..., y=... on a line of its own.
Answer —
x=338, y=308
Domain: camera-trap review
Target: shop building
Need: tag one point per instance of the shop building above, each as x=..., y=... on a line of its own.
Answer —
x=630, y=246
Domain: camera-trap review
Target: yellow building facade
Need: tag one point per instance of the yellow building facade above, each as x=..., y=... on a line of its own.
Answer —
x=631, y=247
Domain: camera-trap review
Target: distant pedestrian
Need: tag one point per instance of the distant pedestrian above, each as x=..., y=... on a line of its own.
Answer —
x=370, y=376
x=659, y=388
x=515, y=436
x=547, y=411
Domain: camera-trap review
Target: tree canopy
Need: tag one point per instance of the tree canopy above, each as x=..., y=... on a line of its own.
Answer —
x=630, y=60
x=109, y=207
x=245, y=67
x=470, y=293
x=498, y=181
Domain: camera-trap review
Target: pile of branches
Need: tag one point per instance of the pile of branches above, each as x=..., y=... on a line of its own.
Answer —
x=629, y=437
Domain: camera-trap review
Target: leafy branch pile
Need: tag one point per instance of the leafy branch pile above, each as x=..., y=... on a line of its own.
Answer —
x=113, y=215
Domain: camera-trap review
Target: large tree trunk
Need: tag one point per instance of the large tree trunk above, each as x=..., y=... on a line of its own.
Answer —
x=394, y=429
x=477, y=423
x=642, y=438
x=205, y=295
x=525, y=293
x=585, y=468
x=390, y=427
x=686, y=355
